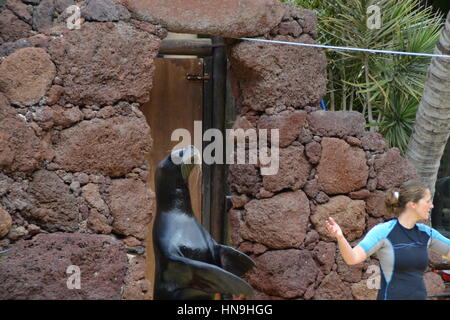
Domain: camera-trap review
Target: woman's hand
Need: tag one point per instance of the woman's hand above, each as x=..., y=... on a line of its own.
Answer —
x=350, y=255
x=333, y=228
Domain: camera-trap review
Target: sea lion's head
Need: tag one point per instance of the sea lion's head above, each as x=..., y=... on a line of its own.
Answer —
x=173, y=172
x=187, y=158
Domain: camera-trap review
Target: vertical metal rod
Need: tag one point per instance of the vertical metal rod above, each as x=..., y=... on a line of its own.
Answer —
x=218, y=121
x=207, y=124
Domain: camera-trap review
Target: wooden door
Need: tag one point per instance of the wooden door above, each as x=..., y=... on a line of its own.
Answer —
x=175, y=102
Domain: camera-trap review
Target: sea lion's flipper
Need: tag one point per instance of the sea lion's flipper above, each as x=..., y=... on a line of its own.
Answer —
x=206, y=277
x=234, y=261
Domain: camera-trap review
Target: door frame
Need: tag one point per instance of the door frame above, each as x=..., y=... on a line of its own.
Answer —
x=214, y=104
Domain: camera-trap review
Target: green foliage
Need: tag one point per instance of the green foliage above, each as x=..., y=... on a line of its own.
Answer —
x=385, y=88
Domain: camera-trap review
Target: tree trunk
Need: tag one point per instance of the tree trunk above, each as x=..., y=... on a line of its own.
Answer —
x=369, y=104
x=432, y=126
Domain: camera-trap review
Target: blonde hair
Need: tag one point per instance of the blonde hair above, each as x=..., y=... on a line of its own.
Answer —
x=397, y=198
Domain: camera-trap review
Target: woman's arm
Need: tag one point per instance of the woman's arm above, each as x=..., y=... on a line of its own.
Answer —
x=350, y=255
x=438, y=243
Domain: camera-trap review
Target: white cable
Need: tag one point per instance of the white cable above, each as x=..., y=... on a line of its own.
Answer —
x=348, y=48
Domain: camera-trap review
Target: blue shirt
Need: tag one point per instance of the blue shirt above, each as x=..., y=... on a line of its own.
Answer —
x=403, y=256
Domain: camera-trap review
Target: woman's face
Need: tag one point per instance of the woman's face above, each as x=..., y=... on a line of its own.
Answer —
x=424, y=206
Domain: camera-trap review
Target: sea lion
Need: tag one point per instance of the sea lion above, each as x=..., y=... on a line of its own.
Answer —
x=189, y=263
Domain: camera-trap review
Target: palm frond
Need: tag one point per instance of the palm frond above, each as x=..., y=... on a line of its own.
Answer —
x=392, y=84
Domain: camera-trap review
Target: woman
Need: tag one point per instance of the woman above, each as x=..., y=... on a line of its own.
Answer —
x=401, y=244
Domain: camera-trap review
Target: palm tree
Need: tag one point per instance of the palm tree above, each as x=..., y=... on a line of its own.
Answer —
x=386, y=89
x=432, y=125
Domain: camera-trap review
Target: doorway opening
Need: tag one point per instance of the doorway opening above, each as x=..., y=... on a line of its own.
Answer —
x=440, y=215
x=189, y=85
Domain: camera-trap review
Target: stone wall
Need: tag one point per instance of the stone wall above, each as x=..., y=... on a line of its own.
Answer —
x=330, y=166
x=73, y=181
